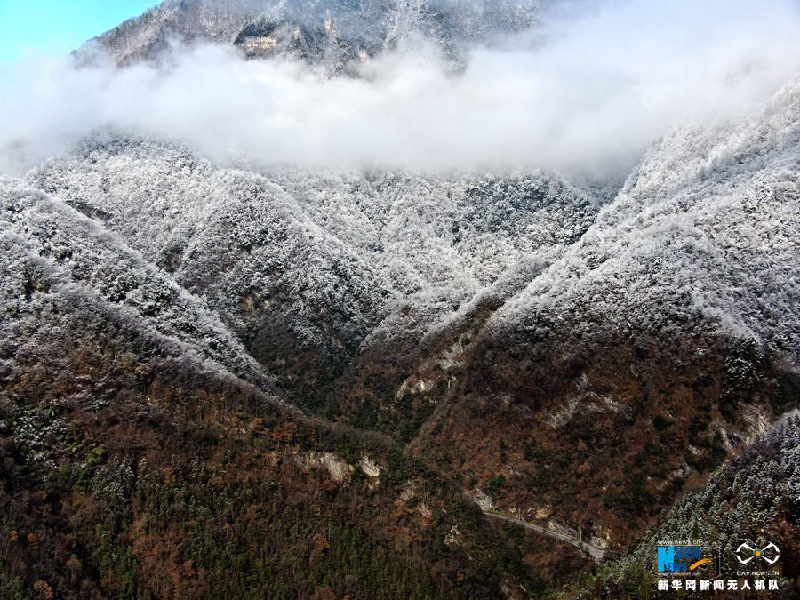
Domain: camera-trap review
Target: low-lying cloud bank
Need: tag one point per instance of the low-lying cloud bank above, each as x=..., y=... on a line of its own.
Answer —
x=582, y=93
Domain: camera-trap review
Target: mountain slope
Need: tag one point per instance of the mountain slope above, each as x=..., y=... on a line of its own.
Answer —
x=658, y=342
x=334, y=32
x=709, y=214
x=134, y=462
x=751, y=497
x=306, y=266
x=457, y=305
x=58, y=257
x=145, y=37
x=317, y=379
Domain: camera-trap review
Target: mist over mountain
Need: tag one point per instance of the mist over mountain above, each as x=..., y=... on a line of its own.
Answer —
x=299, y=297
x=583, y=94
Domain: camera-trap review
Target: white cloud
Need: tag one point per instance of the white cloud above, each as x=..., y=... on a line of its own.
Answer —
x=585, y=91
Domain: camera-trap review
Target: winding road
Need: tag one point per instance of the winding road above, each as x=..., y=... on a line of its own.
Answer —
x=585, y=547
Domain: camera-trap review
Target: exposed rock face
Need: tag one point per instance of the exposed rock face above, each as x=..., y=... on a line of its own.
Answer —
x=483, y=500
x=369, y=468
x=338, y=469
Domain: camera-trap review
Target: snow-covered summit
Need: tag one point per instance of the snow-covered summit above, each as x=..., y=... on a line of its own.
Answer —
x=317, y=30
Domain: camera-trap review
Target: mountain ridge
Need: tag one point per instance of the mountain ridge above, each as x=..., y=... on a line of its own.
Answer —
x=342, y=368
x=345, y=31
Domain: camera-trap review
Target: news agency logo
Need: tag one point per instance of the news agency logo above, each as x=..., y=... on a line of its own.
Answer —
x=681, y=559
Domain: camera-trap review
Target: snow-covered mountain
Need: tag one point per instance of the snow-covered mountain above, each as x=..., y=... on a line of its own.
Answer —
x=64, y=269
x=704, y=228
x=675, y=312
x=312, y=261
x=577, y=354
x=334, y=31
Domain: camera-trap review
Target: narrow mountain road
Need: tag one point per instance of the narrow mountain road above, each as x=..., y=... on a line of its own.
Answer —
x=585, y=547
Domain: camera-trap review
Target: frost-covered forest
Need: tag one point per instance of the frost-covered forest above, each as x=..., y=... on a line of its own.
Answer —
x=319, y=376
x=745, y=499
x=366, y=296
x=703, y=229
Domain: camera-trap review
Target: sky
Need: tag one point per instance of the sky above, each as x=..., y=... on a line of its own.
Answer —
x=583, y=93
x=59, y=26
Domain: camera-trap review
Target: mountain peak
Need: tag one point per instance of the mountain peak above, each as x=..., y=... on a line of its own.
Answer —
x=264, y=28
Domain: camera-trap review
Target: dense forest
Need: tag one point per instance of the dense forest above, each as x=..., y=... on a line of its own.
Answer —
x=400, y=299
